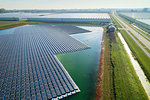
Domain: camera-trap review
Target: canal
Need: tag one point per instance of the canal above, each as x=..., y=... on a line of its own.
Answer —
x=83, y=65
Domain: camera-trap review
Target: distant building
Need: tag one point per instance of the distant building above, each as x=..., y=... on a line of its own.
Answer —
x=110, y=28
x=109, y=25
x=59, y=17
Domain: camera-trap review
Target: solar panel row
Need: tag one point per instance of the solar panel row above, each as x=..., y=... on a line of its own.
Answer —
x=29, y=69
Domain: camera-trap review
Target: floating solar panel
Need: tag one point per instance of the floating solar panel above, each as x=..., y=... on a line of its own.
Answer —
x=28, y=66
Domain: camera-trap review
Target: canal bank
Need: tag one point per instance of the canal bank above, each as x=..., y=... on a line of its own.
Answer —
x=101, y=64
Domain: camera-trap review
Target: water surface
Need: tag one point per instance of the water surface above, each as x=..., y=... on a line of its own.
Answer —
x=83, y=65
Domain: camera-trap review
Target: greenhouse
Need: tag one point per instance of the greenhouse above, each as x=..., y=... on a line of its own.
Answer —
x=61, y=17
x=137, y=19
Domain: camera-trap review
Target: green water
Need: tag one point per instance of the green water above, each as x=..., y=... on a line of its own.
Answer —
x=83, y=65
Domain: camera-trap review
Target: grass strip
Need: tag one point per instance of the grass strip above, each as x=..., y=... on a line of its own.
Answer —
x=139, y=41
x=11, y=24
x=107, y=78
x=127, y=83
x=141, y=33
x=141, y=57
x=141, y=30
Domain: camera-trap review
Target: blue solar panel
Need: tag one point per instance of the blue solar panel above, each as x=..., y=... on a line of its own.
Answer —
x=28, y=66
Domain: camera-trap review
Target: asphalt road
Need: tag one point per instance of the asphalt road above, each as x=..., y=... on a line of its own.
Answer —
x=137, y=35
x=143, y=31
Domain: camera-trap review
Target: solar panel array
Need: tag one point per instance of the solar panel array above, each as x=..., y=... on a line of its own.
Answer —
x=28, y=66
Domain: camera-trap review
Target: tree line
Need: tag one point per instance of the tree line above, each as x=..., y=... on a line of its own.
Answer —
x=2, y=10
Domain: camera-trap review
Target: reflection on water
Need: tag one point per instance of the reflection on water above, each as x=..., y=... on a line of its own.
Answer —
x=83, y=65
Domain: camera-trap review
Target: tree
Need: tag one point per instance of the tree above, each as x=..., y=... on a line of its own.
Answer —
x=2, y=10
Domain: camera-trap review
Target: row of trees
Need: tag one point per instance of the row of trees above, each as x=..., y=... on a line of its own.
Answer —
x=2, y=10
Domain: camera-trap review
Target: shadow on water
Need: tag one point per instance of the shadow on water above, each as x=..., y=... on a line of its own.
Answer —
x=83, y=65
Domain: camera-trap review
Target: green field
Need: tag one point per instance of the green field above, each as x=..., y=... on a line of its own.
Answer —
x=127, y=85
x=142, y=58
x=141, y=30
x=107, y=69
x=10, y=24
x=139, y=41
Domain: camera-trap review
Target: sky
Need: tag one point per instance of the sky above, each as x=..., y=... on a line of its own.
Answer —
x=73, y=4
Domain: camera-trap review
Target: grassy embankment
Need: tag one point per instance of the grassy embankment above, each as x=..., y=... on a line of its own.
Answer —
x=146, y=36
x=107, y=92
x=141, y=30
x=141, y=57
x=127, y=83
x=11, y=24
x=139, y=41
x=119, y=80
